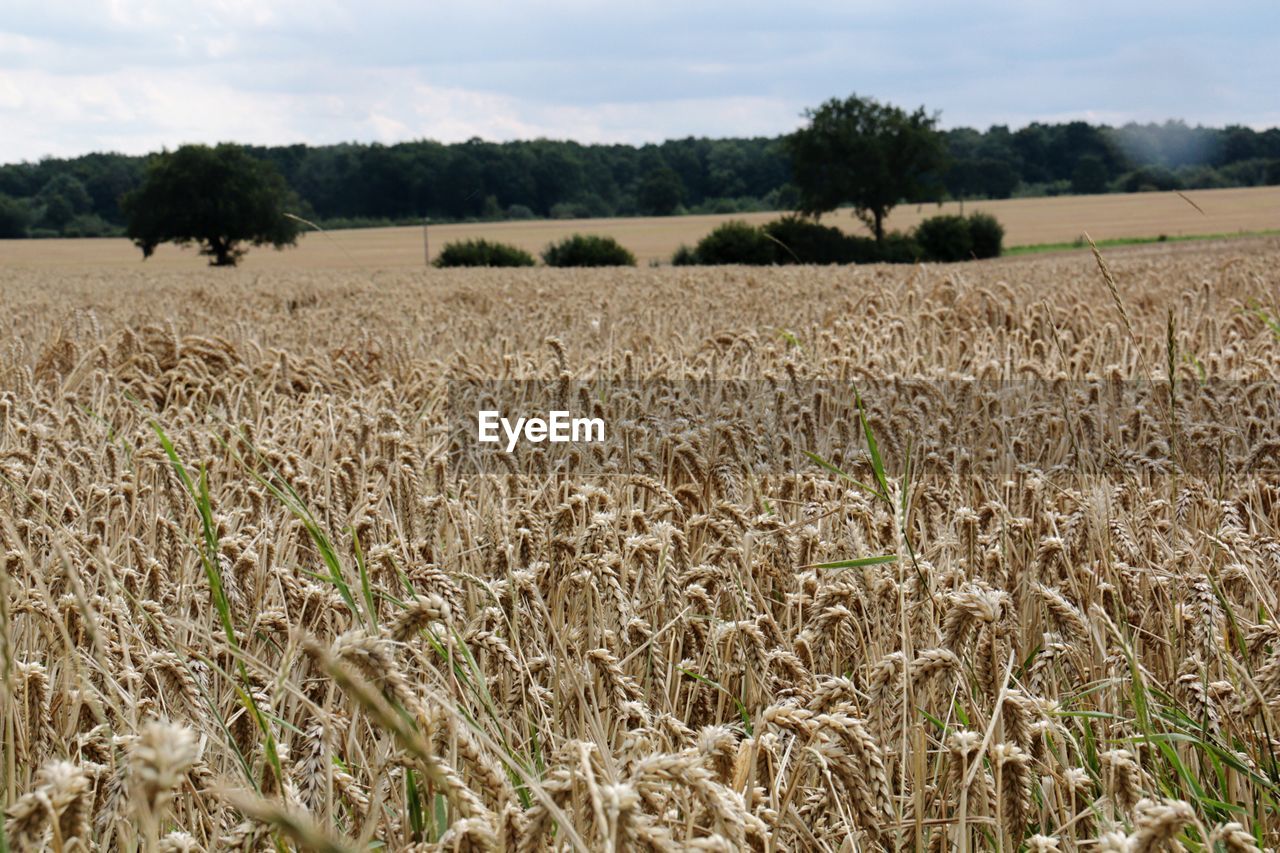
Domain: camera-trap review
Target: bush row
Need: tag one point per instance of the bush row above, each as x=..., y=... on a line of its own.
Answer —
x=795, y=240
x=789, y=240
x=577, y=250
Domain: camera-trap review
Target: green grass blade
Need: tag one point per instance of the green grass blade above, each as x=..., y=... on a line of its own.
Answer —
x=854, y=564
x=818, y=460
x=877, y=464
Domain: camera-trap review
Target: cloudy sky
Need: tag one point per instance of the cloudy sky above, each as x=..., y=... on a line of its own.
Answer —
x=133, y=76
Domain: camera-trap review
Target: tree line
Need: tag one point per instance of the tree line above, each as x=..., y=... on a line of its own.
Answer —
x=368, y=184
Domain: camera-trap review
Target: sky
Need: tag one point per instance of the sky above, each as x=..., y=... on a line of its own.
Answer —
x=132, y=76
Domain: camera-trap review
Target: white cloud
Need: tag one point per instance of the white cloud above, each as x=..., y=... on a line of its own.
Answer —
x=135, y=75
x=136, y=110
x=132, y=111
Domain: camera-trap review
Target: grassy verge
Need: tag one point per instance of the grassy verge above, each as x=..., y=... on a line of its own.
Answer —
x=1080, y=243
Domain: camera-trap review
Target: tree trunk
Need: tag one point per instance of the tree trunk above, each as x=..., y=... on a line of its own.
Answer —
x=879, y=215
x=221, y=251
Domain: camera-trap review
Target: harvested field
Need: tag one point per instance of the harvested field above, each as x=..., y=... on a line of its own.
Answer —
x=254, y=595
x=1027, y=222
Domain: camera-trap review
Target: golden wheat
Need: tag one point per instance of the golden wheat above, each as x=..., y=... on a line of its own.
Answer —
x=332, y=634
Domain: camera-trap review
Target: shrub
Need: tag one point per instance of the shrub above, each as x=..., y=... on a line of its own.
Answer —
x=804, y=241
x=986, y=234
x=1148, y=179
x=483, y=253
x=565, y=210
x=588, y=250
x=736, y=242
x=897, y=248
x=795, y=240
x=1205, y=178
x=1246, y=173
x=520, y=211
x=88, y=225
x=945, y=238
x=684, y=257
x=588, y=206
x=807, y=242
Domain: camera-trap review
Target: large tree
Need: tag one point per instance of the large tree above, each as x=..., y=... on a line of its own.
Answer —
x=218, y=198
x=870, y=155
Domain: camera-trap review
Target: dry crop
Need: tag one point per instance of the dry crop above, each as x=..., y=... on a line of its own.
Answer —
x=250, y=601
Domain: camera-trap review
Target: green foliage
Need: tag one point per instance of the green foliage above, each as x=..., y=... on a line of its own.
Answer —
x=785, y=197
x=218, y=198
x=684, y=257
x=590, y=206
x=858, y=151
x=1052, y=154
x=987, y=235
x=14, y=218
x=342, y=222
x=1148, y=179
x=958, y=238
x=1203, y=178
x=565, y=210
x=660, y=193
x=1089, y=175
x=89, y=225
x=1247, y=173
x=899, y=248
x=803, y=241
x=982, y=177
x=736, y=242
x=794, y=240
x=363, y=184
x=742, y=204
x=63, y=199
x=945, y=238
x=588, y=250
x=482, y=253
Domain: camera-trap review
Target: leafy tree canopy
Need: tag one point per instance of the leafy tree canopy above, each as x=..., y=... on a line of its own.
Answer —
x=218, y=198
x=871, y=155
x=64, y=197
x=351, y=185
x=13, y=218
x=661, y=192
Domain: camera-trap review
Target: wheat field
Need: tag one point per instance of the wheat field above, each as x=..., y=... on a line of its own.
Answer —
x=1019, y=593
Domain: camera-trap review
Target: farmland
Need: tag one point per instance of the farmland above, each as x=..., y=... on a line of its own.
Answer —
x=1021, y=595
x=1027, y=222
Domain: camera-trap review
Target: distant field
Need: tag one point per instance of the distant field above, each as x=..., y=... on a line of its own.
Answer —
x=1027, y=221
